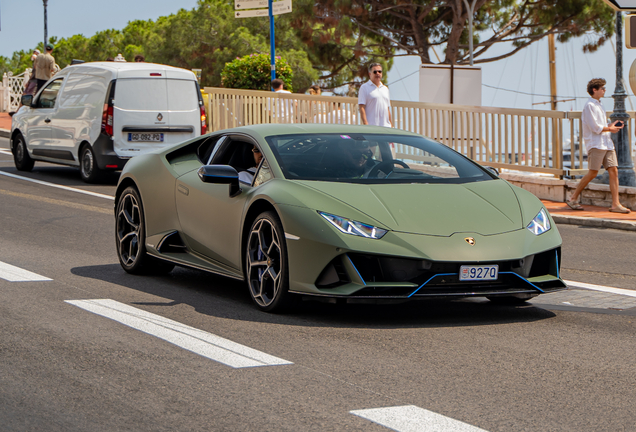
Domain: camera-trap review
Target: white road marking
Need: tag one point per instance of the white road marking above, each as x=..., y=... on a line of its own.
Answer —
x=198, y=341
x=410, y=418
x=621, y=291
x=16, y=274
x=57, y=186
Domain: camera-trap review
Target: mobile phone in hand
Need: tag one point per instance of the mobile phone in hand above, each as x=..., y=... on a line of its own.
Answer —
x=619, y=124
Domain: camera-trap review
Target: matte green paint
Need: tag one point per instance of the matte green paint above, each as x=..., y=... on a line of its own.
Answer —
x=427, y=221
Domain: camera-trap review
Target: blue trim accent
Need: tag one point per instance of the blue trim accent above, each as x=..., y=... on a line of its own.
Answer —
x=457, y=274
x=432, y=277
x=525, y=280
x=556, y=256
x=354, y=267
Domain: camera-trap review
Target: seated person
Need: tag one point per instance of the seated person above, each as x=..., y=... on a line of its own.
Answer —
x=248, y=176
x=357, y=159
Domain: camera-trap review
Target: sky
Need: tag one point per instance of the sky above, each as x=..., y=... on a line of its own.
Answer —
x=520, y=81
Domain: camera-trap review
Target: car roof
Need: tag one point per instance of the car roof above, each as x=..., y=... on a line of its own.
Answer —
x=292, y=129
x=133, y=69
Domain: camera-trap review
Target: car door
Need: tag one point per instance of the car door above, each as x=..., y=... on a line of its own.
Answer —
x=211, y=220
x=38, y=133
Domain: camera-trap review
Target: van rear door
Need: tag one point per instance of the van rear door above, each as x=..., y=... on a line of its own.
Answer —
x=149, y=113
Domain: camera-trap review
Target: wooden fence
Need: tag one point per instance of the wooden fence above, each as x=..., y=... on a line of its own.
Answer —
x=535, y=141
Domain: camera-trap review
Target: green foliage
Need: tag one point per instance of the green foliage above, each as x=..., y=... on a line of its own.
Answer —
x=420, y=26
x=253, y=72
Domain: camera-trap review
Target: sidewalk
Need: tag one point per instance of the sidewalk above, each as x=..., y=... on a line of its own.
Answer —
x=5, y=124
x=599, y=217
x=562, y=214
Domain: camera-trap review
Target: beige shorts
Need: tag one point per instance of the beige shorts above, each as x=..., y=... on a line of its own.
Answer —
x=597, y=157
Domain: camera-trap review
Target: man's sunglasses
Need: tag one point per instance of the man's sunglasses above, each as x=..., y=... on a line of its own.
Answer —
x=377, y=72
x=255, y=150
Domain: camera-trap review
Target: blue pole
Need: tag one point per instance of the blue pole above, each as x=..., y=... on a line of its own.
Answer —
x=272, y=50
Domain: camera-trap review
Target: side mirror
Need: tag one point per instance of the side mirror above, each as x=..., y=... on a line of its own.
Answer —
x=26, y=100
x=221, y=174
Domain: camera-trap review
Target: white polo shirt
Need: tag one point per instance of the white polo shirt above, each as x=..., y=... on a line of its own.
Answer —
x=594, y=119
x=377, y=103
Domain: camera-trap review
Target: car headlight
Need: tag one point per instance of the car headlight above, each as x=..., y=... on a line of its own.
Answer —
x=540, y=223
x=349, y=226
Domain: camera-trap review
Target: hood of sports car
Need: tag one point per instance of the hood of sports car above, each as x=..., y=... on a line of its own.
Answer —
x=486, y=207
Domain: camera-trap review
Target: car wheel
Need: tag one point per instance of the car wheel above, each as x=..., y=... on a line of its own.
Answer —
x=21, y=158
x=130, y=237
x=88, y=166
x=266, y=264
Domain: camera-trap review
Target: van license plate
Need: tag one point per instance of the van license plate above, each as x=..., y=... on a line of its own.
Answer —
x=148, y=137
x=478, y=273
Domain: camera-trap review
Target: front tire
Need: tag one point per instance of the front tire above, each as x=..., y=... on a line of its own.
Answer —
x=21, y=158
x=130, y=237
x=266, y=264
x=89, y=170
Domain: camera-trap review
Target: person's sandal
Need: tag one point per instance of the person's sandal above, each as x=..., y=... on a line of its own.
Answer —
x=574, y=205
x=622, y=210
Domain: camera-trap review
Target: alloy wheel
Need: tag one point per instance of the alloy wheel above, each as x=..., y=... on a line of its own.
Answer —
x=264, y=263
x=128, y=229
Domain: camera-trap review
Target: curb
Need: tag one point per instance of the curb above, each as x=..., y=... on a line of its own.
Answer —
x=594, y=222
x=4, y=133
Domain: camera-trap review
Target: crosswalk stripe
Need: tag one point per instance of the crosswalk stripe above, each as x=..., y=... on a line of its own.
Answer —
x=198, y=341
x=16, y=274
x=621, y=291
x=410, y=418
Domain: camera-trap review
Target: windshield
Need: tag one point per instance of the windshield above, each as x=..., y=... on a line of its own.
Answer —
x=372, y=158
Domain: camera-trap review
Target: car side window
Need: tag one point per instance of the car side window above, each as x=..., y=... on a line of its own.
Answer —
x=263, y=175
x=49, y=94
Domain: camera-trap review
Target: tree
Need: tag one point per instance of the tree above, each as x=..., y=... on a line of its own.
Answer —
x=417, y=27
x=252, y=72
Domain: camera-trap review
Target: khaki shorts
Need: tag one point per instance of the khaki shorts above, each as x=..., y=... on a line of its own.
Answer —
x=597, y=157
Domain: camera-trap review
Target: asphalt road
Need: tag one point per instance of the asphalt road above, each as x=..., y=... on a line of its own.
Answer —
x=548, y=366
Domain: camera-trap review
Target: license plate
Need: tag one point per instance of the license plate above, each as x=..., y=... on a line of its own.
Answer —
x=147, y=137
x=478, y=273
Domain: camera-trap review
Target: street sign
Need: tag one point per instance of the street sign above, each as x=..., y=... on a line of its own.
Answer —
x=251, y=13
x=622, y=5
x=250, y=4
x=282, y=7
x=278, y=8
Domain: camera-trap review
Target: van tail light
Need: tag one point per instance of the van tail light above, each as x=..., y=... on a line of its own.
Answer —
x=109, y=110
x=204, y=127
x=107, y=120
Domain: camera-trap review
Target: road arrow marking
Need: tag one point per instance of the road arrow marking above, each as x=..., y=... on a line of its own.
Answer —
x=410, y=418
x=198, y=341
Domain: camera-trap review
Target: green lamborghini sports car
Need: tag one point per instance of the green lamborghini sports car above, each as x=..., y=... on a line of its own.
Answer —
x=359, y=213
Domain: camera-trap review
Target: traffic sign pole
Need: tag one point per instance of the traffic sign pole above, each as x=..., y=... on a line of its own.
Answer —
x=272, y=49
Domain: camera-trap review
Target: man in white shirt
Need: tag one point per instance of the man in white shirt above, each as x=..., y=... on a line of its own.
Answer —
x=286, y=111
x=599, y=146
x=374, y=99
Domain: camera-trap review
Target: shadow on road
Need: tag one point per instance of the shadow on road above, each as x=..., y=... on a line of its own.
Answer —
x=226, y=298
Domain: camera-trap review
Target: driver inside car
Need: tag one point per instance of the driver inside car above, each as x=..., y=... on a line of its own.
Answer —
x=248, y=176
x=358, y=158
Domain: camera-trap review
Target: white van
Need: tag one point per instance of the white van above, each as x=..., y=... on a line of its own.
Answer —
x=98, y=115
